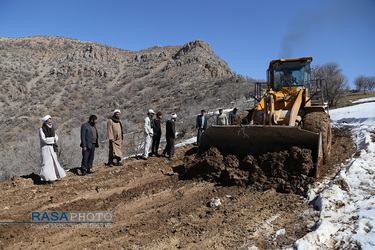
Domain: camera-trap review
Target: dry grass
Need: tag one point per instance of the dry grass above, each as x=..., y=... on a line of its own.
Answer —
x=352, y=95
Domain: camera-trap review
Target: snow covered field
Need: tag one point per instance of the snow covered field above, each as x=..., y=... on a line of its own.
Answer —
x=347, y=203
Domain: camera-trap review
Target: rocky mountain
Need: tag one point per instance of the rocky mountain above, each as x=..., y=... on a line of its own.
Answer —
x=71, y=79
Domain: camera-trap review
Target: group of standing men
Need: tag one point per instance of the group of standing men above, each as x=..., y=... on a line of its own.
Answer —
x=221, y=119
x=152, y=135
x=51, y=169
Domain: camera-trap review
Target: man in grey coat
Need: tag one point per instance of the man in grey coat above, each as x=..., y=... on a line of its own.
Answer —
x=89, y=141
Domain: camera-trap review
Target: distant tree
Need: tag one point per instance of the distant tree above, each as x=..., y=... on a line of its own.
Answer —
x=365, y=82
x=360, y=82
x=371, y=83
x=335, y=80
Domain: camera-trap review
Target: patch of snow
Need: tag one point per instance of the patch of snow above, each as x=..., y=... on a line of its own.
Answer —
x=280, y=232
x=371, y=99
x=187, y=142
x=353, y=116
x=347, y=212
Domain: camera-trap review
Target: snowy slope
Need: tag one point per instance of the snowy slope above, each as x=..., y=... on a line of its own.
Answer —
x=371, y=99
x=347, y=203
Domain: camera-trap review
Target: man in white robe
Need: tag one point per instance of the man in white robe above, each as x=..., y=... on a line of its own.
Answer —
x=148, y=133
x=51, y=169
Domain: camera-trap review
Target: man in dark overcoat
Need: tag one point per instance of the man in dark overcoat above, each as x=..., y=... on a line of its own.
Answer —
x=170, y=135
x=201, y=125
x=89, y=141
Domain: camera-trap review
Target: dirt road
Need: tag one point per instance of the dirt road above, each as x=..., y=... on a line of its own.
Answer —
x=154, y=209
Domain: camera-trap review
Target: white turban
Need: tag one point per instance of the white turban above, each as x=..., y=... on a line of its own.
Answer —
x=173, y=116
x=44, y=119
x=150, y=111
x=116, y=111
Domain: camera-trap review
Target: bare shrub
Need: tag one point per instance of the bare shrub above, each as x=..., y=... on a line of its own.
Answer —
x=133, y=143
x=22, y=158
x=365, y=82
x=335, y=79
x=69, y=153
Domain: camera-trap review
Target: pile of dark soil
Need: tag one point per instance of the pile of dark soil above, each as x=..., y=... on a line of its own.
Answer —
x=286, y=171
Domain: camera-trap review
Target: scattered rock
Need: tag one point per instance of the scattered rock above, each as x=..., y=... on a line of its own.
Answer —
x=215, y=202
x=18, y=181
x=343, y=185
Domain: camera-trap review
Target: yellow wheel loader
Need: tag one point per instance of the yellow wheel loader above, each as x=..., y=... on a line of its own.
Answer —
x=283, y=118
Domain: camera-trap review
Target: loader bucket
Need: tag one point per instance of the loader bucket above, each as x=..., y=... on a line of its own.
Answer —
x=257, y=140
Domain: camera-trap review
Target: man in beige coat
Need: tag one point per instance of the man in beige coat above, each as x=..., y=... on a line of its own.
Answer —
x=221, y=118
x=115, y=136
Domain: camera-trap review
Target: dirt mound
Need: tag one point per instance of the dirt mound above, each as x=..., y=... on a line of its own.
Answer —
x=286, y=171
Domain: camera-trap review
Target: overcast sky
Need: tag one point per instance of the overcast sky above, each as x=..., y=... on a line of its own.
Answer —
x=247, y=34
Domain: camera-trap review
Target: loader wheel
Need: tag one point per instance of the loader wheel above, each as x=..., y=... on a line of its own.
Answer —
x=320, y=122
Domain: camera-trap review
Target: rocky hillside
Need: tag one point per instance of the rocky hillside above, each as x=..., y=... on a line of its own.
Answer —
x=71, y=79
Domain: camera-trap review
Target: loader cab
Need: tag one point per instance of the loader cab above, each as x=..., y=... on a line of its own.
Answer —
x=289, y=73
